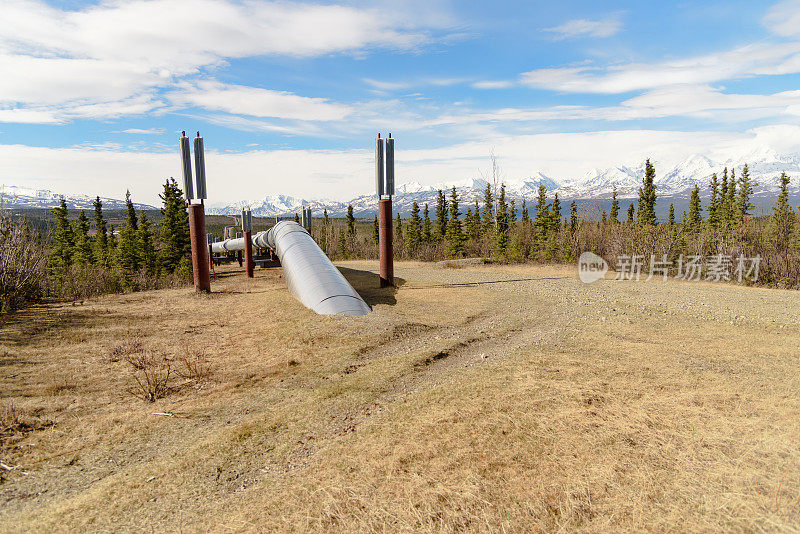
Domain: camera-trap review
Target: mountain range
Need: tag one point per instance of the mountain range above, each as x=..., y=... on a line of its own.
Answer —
x=25, y=197
x=598, y=184
x=676, y=183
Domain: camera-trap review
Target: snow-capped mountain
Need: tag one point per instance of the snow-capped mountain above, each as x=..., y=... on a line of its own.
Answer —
x=765, y=167
x=25, y=197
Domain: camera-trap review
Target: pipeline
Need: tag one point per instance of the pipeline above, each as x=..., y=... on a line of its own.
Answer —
x=310, y=275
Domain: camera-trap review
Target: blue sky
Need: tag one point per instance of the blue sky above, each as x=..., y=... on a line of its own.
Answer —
x=290, y=95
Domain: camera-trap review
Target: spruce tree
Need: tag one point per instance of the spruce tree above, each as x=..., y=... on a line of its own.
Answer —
x=100, y=234
x=375, y=230
x=502, y=222
x=398, y=228
x=743, y=205
x=631, y=211
x=175, y=242
x=573, y=217
x=603, y=218
x=441, y=214
x=525, y=217
x=473, y=224
x=455, y=237
x=614, y=206
x=147, y=249
x=730, y=202
x=488, y=209
x=414, y=229
x=351, y=223
x=426, y=225
x=477, y=221
x=83, y=246
x=127, y=251
x=713, y=202
x=512, y=213
x=63, y=241
x=695, y=217
x=542, y=220
x=647, y=197
x=781, y=225
x=671, y=216
x=723, y=199
x=555, y=215
x=112, y=244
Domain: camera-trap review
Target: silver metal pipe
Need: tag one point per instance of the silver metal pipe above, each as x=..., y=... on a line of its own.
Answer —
x=200, y=167
x=186, y=167
x=310, y=275
x=379, y=169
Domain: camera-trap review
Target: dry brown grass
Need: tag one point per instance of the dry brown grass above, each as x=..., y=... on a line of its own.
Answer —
x=533, y=404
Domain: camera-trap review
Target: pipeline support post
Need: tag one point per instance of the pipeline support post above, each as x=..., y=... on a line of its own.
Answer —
x=247, y=231
x=385, y=242
x=248, y=253
x=197, y=237
x=197, y=217
x=384, y=185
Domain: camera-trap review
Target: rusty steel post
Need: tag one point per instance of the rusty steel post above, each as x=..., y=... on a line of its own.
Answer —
x=385, y=251
x=197, y=236
x=248, y=253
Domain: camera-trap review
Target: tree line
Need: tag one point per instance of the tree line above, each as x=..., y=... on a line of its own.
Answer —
x=133, y=251
x=501, y=229
x=75, y=262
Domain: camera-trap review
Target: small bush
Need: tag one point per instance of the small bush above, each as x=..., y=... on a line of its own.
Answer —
x=193, y=366
x=14, y=421
x=125, y=349
x=151, y=376
x=10, y=417
x=22, y=264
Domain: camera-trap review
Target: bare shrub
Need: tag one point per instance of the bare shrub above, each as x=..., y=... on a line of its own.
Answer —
x=86, y=281
x=22, y=263
x=151, y=376
x=14, y=421
x=193, y=366
x=10, y=417
x=126, y=348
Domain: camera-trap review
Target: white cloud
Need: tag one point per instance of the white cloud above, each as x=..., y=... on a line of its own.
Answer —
x=783, y=18
x=489, y=84
x=587, y=28
x=344, y=173
x=704, y=102
x=29, y=116
x=742, y=62
x=118, y=51
x=249, y=124
x=243, y=100
x=147, y=131
x=386, y=86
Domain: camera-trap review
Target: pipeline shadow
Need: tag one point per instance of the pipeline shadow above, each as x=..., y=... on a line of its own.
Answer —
x=367, y=283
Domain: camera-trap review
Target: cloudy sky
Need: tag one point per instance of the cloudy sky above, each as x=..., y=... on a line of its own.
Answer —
x=290, y=95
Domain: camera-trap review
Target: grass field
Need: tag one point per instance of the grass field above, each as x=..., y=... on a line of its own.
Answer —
x=488, y=398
